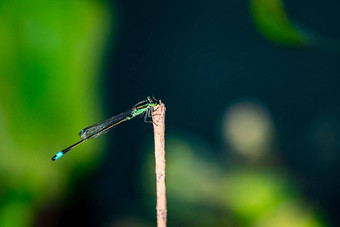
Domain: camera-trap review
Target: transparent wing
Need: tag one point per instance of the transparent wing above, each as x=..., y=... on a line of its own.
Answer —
x=103, y=127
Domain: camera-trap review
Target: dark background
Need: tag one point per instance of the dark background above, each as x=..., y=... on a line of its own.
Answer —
x=198, y=56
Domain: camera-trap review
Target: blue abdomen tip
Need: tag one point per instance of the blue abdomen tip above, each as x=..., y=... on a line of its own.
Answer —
x=58, y=155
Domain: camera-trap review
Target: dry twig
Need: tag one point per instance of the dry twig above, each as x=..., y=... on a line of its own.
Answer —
x=158, y=117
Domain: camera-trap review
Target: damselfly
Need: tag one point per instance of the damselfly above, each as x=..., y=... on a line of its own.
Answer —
x=143, y=108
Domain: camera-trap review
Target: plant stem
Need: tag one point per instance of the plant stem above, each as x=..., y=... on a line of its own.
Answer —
x=158, y=117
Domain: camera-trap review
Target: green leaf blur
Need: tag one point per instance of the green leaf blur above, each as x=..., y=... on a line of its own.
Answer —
x=203, y=191
x=50, y=53
x=272, y=21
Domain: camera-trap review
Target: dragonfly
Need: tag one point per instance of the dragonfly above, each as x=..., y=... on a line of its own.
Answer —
x=142, y=108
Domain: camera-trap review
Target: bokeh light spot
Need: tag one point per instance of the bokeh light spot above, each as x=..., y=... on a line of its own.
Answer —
x=248, y=128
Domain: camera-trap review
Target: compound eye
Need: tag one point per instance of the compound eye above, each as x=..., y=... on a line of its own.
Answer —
x=152, y=100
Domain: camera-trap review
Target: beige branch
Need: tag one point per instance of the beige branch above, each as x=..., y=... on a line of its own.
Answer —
x=158, y=117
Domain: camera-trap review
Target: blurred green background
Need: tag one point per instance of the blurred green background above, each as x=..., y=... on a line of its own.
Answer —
x=253, y=114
